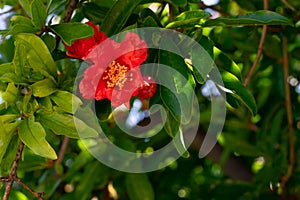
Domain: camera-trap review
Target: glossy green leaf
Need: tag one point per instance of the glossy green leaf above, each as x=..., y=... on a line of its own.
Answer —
x=45, y=103
x=94, y=12
x=232, y=83
x=38, y=13
x=64, y=124
x=261, y=17
x=118, y=15
x=189, y=19
x=43, y=88
x=139, y=187
x=147, y=14
x=223, y=61
x=36, y=54
x=170, y=101
x=34, y=137
x=66, y=101
x=10, y=155
x=7, y=73
x=69, y=32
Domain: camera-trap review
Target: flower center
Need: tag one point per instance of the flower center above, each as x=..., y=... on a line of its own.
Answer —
x=114, y=75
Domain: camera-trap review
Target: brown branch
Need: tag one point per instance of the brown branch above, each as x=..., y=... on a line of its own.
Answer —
x=13, y=173
x=288, y=105
x=72, y=7
x=62, y=150
x=12, y=177
x=260, y=48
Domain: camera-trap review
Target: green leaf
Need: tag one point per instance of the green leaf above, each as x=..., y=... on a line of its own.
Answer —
x=7, y=74
x=170, y=101
x=7, y=129
x=38, y=13
x=36, y=54
x=26, y=6
x=10, y=155
x=150, y=18
x=223, y=61
x=69, y=32
x=261, y=17
x=232, y=83
x=94, y=12
x=11, y=95
x=50, y=41
x=33, y=135
x=139, y=187
x=63, y=124
x=189, y=19
x=43, y=88
x=117, y=16
x=66, y=101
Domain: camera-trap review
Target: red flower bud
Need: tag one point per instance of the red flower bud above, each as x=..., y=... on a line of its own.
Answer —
x=82, y=47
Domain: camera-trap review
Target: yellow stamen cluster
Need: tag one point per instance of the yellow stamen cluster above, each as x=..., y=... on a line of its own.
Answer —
x=115, y=75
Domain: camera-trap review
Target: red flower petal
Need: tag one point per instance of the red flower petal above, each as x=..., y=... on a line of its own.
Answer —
x=147, y=90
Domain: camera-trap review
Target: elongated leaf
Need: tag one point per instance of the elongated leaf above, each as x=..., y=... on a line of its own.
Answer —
x=7, y=132
x=118, y=15
x=189, y=19
x=180, y=3
x=261, y=17
x=63, y=124
x=232, y=83
x=64, y=100
x=33, y=135
x=26, y=6
x=43, y=88
x=72, y=31
x=37, y=55
x=139, y=187
x=38, y=13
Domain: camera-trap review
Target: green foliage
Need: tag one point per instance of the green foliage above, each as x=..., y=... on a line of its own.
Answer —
x=254, y=153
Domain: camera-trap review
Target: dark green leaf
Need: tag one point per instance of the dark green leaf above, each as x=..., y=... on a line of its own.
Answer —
x=69, y=32
x=232, y=83
x=118, y=15
x=43, y=88
x=261, y=17
x=26, y=6
x=180, y=3
x=139, y=187
x=94, y=12
x=38, y=13
x=34, y=136
x=50, y=41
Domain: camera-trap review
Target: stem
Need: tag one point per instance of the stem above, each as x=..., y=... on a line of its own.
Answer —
x=288, y=105
x=62, y=150
x=13, y=173
x=36, y=194
x=260, y=48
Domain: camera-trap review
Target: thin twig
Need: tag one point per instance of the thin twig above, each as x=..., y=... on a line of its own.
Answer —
x=8, y=11
x=62, y=150
x=287, y=4
x=260, y=48
x=13, y=173
x=36, y=194
x=288, y=105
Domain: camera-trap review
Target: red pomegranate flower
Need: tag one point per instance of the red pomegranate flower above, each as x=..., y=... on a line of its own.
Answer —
x=82, y=47
x=116, y=78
